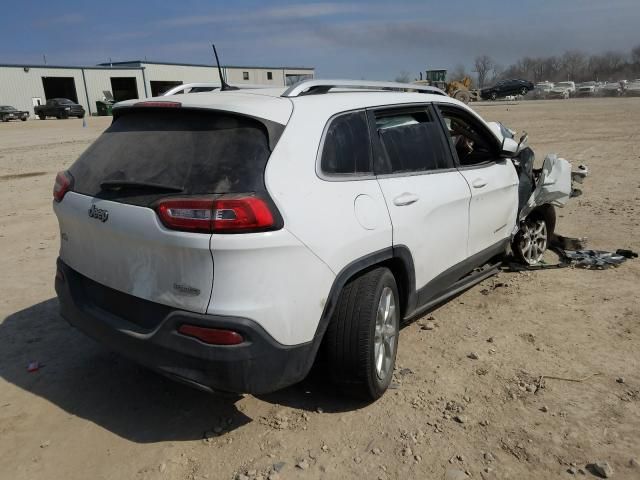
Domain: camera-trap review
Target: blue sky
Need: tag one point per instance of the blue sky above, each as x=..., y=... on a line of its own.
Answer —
x=352, y=39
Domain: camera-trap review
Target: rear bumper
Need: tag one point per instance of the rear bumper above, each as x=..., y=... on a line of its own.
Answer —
x=258, y=365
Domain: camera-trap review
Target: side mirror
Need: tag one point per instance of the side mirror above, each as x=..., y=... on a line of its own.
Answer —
x=509, y=147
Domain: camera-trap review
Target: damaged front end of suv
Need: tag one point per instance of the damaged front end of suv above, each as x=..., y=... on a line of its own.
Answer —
x=540, y=190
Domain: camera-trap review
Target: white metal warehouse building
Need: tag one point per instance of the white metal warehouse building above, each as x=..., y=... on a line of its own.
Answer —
x=25, y=86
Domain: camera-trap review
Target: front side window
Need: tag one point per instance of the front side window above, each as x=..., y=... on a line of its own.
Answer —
x=346, y=149
x=269, y=75
x=411, y=141
x=245, y=75
x=472, y=142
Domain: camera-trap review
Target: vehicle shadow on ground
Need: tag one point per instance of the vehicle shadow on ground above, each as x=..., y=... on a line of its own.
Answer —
x=86, y=380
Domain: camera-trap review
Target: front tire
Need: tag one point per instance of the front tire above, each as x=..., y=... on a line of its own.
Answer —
x=362, y=337
x=532, y=239
x=524, y=91
x=494, y=96
x=42, y=116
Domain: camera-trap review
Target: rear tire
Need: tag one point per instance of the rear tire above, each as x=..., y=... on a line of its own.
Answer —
x=362, y=337
x=494, y=96
x=42, y=116
x=524, y=91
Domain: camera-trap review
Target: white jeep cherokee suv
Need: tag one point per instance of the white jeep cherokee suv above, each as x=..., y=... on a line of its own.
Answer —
x=227, y=238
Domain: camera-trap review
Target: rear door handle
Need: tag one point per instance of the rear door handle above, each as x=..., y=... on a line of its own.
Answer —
x=479, y=183
x=405, y=199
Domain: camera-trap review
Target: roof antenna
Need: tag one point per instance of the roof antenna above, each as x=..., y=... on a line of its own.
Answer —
x=223, y=85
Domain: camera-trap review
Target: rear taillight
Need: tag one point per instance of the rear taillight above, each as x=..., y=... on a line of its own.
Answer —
x=224, y=214
x=63, y=184
x=212, y=336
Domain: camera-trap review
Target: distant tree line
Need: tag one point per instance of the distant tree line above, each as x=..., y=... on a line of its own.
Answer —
x=573, y=65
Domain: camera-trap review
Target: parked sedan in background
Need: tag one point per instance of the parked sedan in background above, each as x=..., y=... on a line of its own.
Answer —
x=542, y=89
x=505, y=88
x=8, y=112
x=587, y=89
x=633, y=88
x=562, y=90
x=611, y=89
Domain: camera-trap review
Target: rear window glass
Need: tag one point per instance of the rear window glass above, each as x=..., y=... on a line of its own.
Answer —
x=346, y=149
x=196, y=152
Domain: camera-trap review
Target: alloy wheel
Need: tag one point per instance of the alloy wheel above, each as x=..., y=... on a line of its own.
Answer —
x=533, y=240
x=386, y=333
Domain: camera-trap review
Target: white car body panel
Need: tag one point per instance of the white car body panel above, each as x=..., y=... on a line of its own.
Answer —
x=494, y=203
x=269, y=289
x=430, y=216
x=132, y=252
x=324, y=214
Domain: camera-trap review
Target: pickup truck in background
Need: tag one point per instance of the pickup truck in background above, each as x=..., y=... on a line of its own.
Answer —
x=59, y=108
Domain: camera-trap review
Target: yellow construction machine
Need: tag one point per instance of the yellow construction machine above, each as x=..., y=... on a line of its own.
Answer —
x=458, y=89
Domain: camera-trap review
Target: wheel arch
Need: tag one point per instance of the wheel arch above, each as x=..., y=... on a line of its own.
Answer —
x=397, y=259
x=548, y=213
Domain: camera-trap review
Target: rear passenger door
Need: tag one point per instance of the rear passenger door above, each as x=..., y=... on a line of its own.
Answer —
x=493, y=180
x=427, y=197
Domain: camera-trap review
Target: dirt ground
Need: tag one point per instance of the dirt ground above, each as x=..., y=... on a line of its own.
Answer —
x=88, y=414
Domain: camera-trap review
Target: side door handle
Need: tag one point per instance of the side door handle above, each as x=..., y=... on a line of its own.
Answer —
x=405, y=199
x=479, y=183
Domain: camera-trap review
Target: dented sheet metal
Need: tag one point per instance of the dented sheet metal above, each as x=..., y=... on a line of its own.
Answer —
x=553, y=186
x=554, y=183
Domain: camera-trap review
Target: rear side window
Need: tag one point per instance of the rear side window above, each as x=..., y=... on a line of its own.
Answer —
x=346, y=149
x=189, y=152
x=412, y=142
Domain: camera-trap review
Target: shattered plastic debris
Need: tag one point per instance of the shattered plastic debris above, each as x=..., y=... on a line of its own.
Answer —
x=593, y=259
x=587, y=259
x=573, y=254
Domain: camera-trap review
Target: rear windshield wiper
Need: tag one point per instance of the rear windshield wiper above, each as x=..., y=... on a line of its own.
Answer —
x=133, y=185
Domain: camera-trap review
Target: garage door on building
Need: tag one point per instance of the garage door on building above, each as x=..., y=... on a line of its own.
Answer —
x=60, y=87
x=124, y=88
